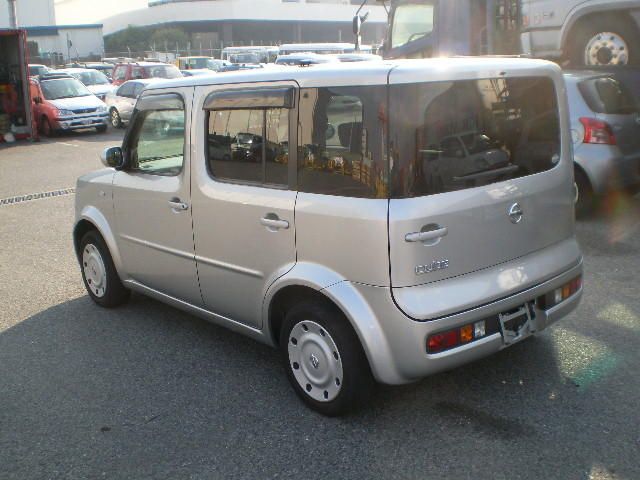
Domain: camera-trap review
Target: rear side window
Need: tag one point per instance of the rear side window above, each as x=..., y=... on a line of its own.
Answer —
x=126, y=90
x=249, y=145
x=120, y=73
x=607, y=95
x=341, y=141
x=448, y=136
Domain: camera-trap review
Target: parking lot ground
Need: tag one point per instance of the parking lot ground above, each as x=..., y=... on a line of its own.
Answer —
x=147, y=391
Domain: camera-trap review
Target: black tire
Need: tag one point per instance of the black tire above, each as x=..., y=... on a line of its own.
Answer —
x=101, y=129
x=586, y=198
x=113, y=293
x=590, y=27
x=114, y=117
x=46, y=128
x=357, y=382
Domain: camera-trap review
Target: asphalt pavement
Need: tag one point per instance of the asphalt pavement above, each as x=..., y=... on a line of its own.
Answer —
x=147, y=391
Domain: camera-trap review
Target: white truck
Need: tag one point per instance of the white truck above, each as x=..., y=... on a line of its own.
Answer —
x=574, y=32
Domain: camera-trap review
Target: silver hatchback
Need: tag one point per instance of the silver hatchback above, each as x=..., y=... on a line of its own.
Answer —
x=605, y=129
x=323, y=211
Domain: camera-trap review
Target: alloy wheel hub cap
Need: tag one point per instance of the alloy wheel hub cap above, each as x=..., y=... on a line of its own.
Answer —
x=606, y=48
x=94, y=270
x=315, y=361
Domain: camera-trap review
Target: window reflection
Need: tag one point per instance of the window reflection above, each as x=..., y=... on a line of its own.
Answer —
x=341, y=142
x=236, y=146
x=450, y=136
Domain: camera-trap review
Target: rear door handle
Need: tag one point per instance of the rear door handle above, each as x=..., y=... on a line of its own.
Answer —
x=426, y=236
x=178, y=205
x=274, y=223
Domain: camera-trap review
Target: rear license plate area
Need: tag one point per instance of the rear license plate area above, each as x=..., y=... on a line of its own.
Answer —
x=516, y=324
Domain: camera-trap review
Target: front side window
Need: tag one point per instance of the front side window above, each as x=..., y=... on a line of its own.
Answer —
x=157, y=141
x=411, y=22
x=341, y=141
x=249, y=145
x=447, y=136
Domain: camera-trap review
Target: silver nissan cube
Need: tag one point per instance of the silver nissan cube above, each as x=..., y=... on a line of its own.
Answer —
x=379, y=221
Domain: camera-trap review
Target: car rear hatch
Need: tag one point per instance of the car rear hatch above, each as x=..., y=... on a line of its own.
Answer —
x=461, y=210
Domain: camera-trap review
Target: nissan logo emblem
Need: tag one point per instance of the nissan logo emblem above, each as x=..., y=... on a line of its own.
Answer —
x=515, y=213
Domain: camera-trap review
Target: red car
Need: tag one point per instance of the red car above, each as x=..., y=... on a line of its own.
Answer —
x=123, y=72
x=62, y=103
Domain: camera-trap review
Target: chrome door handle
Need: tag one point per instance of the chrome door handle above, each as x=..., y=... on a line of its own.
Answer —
x=176, y=204
x=426, y=236
x=274, y=223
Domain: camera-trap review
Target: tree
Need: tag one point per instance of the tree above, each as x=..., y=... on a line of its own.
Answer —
x=171, y=36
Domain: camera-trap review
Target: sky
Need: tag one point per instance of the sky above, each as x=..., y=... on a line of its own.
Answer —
x=92, y=11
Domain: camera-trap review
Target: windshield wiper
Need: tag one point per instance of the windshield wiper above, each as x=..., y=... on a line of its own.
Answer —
x=489, y=172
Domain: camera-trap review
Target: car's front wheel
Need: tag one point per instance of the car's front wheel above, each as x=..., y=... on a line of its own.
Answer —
x=99, y=273
x=324, y=359
x=114, y=116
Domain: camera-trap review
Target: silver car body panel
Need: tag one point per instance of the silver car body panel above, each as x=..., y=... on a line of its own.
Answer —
x=336, y=246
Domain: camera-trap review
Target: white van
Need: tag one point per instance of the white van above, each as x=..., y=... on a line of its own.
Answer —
x=294, y=205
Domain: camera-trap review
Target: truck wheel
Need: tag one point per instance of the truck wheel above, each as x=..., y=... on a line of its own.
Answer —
x=605, y=42
x=324, y=359
x=116, y=121
x=99, y=273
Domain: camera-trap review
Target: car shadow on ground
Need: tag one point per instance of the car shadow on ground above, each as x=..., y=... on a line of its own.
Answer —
x=147, y=390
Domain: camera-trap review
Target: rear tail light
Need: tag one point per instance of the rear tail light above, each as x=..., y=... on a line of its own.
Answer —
x=442, y=341
x=597, y=131
x=560, y=294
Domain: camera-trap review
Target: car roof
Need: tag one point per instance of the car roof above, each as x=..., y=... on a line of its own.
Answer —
x=76, y=70
x=145, y=81
x=376, y=73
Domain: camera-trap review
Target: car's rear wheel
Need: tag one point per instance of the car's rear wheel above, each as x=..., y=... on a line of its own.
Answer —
x=585, y=198
x=99, y=273
x=324, y=359
x=114, y=116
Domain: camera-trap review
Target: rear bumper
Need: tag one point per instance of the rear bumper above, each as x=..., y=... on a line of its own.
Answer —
x=607, y=168
x=407, y=339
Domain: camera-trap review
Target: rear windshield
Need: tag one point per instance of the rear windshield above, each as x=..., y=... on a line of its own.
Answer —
x=447, y=136
x=607, y=95
x=163, y=71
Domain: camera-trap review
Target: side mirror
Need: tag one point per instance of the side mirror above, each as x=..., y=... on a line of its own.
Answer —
x=112, y=157
x=37, y=100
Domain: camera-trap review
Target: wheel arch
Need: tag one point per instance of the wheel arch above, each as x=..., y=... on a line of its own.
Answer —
x=92, y=219
x=581, y=14
x=305, y=282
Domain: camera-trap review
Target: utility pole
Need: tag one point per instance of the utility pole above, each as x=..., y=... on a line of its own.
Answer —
x=68, y=48
x=13, y=14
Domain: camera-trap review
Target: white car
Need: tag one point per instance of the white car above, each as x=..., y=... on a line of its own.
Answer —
x=121, y=101
x=97, y=82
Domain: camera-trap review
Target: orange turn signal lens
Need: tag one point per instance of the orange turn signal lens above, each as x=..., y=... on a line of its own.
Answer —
x=466, y=333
